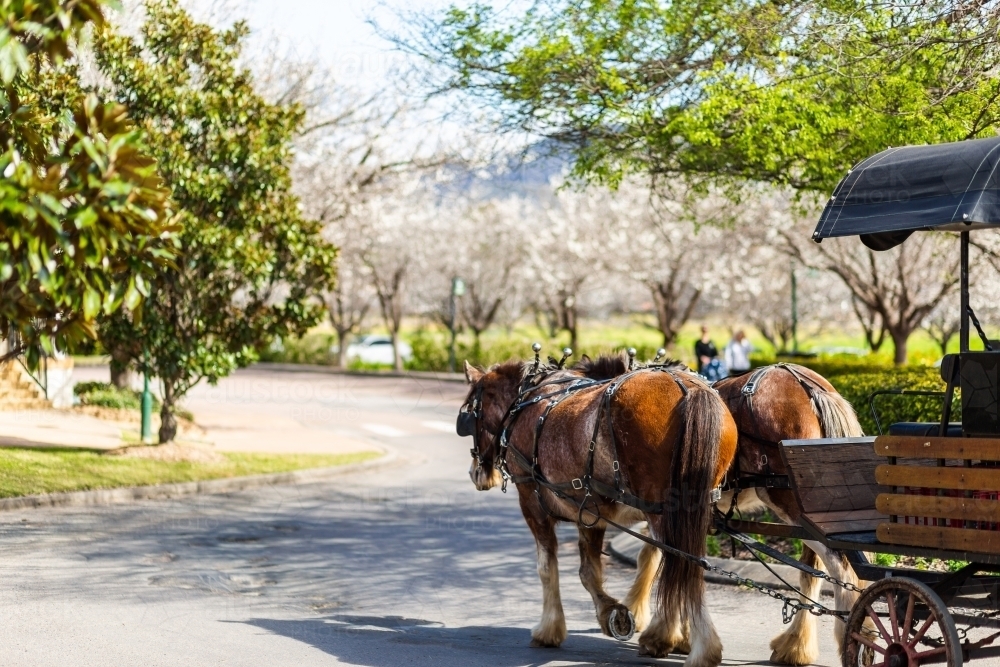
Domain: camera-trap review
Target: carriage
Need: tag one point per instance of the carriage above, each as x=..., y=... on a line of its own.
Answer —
x=611, y=443
x=921, y=490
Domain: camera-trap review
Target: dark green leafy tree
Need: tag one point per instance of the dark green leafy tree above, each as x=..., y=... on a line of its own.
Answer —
x=791, y=93
x=251, y=263
x=84, y=224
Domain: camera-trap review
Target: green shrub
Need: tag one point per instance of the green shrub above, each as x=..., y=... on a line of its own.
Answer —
x=829, y=365
x=356, y=364
x=313, y=348
x=106, y=395
x=430, y=351
x=857, y=387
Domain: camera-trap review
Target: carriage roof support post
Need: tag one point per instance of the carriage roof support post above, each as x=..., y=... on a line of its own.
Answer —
x=963, y=338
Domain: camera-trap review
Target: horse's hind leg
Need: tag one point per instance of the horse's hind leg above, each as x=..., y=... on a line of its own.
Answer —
x=613, y=616
x=843, y=599
x=637, y=600
x=799, y=644
x=706, y=647
x=551, y=630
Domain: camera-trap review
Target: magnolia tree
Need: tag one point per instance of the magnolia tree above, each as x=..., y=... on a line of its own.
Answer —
x=84, y=217
x=251, y=263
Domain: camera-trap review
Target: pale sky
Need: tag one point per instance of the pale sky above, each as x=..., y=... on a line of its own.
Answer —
x=334, y=31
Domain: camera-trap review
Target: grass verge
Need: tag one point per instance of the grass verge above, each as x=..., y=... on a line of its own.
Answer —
x=25, y=472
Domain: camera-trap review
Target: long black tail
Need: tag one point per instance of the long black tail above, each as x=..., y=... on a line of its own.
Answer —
x=688, y=509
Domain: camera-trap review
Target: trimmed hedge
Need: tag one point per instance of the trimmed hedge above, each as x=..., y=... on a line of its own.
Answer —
x=430, y=351
x=313, y=348
x=106, y=395
x=857, y=387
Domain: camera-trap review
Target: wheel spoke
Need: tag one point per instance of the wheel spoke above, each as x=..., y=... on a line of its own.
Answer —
x=878, y=622
x=908, y=620
x=867, y=642
x=926, y=654
x=923, y=628
x=891, y=599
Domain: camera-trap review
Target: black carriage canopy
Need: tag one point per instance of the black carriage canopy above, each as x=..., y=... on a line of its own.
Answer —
x=887, y=197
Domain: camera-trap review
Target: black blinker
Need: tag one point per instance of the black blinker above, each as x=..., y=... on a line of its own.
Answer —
x=466, y=424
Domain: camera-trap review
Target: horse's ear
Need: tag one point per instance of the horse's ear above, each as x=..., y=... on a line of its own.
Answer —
x=472, y=374
x=585, y=359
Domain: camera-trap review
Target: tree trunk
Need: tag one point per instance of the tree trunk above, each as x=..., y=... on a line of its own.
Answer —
x=168, y=422
x=121, y=377
x=397, y=359
x=875, y=342
x=341, y=349
x=899, y=339
x=121, y=374
x=477, y=348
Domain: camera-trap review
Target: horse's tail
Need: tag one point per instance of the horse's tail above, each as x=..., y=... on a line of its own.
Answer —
x=688, y=507
x=836, y=415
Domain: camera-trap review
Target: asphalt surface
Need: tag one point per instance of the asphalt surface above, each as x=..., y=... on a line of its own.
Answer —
x=403, y=565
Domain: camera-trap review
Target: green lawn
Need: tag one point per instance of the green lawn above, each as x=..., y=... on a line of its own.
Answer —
x=31, y=471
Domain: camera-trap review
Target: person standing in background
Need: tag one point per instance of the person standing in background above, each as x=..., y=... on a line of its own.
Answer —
x=705, y=350
x=738, y=353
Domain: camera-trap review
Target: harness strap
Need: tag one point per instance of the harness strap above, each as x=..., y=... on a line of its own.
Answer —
x=806, y=385
x=586, y=483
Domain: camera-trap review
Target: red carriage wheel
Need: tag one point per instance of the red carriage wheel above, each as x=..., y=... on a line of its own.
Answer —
x=900, y=622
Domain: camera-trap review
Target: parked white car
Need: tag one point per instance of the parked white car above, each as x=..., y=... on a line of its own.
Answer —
x=377, y=350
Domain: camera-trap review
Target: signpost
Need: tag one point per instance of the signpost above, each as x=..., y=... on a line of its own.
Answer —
x=147, y=406
x=457, y=290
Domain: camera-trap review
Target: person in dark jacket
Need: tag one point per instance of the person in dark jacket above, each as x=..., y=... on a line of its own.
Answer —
x=705, y=350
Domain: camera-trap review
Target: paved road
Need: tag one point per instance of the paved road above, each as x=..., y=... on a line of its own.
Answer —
x=404, y=565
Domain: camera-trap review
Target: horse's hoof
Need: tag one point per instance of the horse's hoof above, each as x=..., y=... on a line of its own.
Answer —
x=654, y=648
x=799, y=648
x=548, y=637
x=653, y=651
x=539, y=643
x=621, y=623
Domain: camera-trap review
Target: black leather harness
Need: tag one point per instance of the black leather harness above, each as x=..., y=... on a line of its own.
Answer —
x=766, y=479
x=586, y=484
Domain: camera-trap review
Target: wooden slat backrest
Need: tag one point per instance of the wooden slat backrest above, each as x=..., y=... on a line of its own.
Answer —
x=948, y=505
x=933, y=537
x=908, y=446
x=951, y=477
x=833, y=474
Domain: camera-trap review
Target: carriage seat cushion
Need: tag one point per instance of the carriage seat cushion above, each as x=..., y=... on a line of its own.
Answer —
x=921, y=429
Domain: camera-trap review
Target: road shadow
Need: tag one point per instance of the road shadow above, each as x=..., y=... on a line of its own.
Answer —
x=382, y=641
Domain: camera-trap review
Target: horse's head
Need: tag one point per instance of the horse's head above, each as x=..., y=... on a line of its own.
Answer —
x=491, y=393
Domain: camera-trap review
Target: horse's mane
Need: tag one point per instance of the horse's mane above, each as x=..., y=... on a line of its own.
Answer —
x=604, y=367
x=608, y=366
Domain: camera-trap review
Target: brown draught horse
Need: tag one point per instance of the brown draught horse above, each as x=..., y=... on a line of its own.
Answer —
x=789, y=402
x=770, y=404
x=575, y=447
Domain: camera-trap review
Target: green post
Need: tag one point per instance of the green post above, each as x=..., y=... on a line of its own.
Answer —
x=147, y=406
x=795, y=313
x=457, y=290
